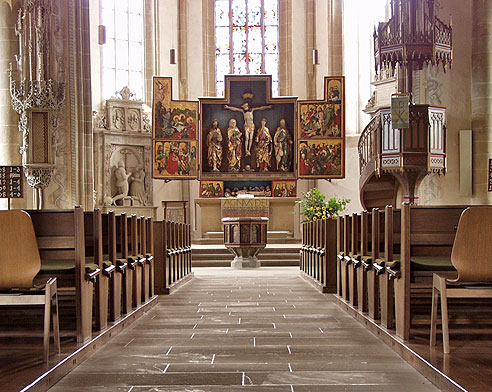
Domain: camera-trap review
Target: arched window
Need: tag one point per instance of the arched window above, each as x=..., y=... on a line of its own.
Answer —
x=246, y=39
x=122, y=55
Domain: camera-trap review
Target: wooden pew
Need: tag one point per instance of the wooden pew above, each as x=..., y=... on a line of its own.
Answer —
x=142, y=251
x=373, y=229
x=123, y=265
x=384, y=244
x=61, y=243
x=364, y=260
x=94, y=253
x=470, y=256
x=340, y=253
x=110, y=247
x=354, y=258
x=427, y=237
x=135, y=261
x=149, y=256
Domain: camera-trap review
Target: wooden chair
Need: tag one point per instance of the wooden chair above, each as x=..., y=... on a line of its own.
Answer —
x=427, y=238
x=471, y=256
x=19, y=264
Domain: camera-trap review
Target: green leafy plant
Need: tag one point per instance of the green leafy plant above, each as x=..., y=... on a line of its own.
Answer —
x=314, y=206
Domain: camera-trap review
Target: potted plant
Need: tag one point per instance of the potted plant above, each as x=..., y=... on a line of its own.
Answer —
x=314, y=206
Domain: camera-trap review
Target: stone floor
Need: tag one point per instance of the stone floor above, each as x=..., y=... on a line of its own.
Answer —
x=234, y=330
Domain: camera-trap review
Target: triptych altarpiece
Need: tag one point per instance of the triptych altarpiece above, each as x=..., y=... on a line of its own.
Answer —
x=248, y=134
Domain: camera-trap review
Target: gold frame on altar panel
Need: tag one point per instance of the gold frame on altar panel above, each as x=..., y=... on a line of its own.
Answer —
x=208, y=102
x=178, y=137
x=320, y=135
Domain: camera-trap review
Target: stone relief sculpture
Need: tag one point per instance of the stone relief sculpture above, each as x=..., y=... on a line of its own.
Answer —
x=121, y=182
x=282, y=142
x=214, y=146
x=137, y=185
x=234, y=146
x=263, y=147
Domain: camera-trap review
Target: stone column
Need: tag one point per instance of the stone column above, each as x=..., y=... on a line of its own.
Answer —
x=310, y=18
x=10, y=137
x=285, y=47
x=481, y=98
x=183, y=49
x=208, y=9
x=335, y=37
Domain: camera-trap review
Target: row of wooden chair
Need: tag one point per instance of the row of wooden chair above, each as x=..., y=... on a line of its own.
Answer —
x=317, y=253
x=386, y=260
x=173, y=254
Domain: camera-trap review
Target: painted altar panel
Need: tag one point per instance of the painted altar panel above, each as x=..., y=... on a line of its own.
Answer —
x=174, y=130
x=321, y=133
x=248, y=134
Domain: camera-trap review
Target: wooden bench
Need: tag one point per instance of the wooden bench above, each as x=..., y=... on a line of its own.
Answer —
x=110, y=248
x=136, y=260
x=427, y=237
x=61, y=242
x=19, y=264
x=122, y=264
x=471, y=256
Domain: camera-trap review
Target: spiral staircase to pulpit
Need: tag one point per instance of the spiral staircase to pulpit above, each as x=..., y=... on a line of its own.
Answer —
x=389, y=158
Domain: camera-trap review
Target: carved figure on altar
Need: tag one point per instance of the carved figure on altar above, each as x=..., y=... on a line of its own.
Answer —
x=248, y=112
x=214, y=146
x=282, y=142
x=234, y=146
x=263, y=147
x=121, y=182
x=137, y=186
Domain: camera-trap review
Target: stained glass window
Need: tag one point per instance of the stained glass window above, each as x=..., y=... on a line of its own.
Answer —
x=122, y=56
x=246, y=39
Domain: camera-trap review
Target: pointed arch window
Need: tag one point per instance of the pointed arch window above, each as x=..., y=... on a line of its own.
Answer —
x=246, y=40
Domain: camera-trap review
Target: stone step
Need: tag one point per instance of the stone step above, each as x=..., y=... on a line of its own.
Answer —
x=227, y=263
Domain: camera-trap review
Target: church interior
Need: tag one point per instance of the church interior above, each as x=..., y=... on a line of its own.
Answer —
x=229, y=195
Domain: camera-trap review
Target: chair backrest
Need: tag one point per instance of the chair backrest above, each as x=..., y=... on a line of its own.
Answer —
x=19, y=255
x=472, y=249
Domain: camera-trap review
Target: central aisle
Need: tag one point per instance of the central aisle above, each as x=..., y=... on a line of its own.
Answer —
x=230, y=330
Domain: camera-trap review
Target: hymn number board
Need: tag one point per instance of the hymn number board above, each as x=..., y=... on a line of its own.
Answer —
x=11, y=182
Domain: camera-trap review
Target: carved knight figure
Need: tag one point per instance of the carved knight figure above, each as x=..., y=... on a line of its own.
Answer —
x=214, y=146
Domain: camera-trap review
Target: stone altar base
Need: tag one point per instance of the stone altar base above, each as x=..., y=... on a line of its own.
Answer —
x=241, y=262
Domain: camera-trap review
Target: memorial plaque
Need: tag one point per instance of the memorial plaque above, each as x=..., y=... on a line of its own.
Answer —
x=11, y=182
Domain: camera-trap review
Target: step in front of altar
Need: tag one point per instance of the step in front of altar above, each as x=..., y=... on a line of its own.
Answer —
x=205, y=255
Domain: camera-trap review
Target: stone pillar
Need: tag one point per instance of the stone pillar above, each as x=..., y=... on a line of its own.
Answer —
x=310, y=9
x=481, y=98
x=285, y=47
x=183, y=49
x=208, y=9
x=335, y=37
x=10, y=137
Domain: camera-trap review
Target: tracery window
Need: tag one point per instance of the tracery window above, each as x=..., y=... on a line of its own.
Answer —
x=122, y=56
x=246, y=39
